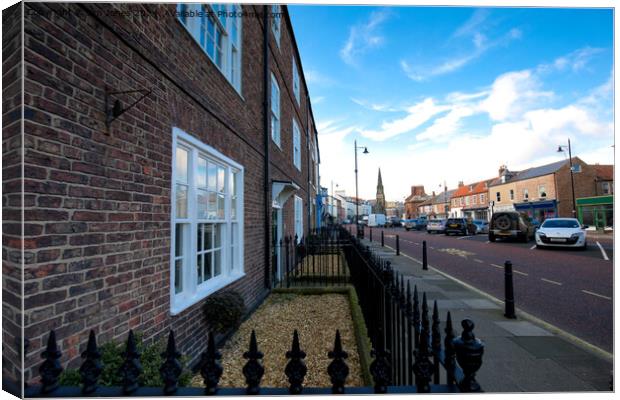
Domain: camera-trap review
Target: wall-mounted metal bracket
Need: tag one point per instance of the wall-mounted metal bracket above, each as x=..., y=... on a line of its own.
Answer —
x=115, y=109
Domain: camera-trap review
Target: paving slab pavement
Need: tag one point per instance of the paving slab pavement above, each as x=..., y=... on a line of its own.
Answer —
x=522, y=355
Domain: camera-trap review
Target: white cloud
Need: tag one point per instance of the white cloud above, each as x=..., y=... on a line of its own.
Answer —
x=511, y=94
x=473, y=24
x=363, y=37
x=570, y=119
x=318, y=99
x=444, y=127
x=523, y=130
x=481, y=45
x=574, y=61
x=417, y=115
x=473, y=29
x=374, y=106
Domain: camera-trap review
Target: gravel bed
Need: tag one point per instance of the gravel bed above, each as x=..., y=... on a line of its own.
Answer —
x=316, y=318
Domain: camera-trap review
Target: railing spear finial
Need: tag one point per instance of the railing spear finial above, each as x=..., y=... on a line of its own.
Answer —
x=296, y=368
x=131, y=368
x=253, y=370
x=50, y=369
x=338, y=369
x=171, y=368
x=91, y=367
x=211, y=369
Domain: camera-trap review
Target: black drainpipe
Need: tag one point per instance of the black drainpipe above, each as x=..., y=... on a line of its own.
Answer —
x=308, y=135
x=266, y=92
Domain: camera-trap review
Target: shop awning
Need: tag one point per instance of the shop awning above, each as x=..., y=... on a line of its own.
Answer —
x=281, y=191
x=535, y=204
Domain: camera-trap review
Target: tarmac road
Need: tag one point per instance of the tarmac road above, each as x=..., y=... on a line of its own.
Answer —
x=570, y=289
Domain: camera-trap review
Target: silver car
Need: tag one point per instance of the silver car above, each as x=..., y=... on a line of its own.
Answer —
x=436, y=226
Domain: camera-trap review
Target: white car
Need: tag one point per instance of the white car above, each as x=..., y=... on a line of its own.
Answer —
x=561, y=232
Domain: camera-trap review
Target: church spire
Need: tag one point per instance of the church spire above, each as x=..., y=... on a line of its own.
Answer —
x=380, y=200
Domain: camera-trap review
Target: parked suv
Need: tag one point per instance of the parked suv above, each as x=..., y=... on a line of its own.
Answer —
x=510, y=224
x=459, y=226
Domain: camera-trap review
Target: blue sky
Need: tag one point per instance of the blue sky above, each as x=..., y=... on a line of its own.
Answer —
x=451, y=93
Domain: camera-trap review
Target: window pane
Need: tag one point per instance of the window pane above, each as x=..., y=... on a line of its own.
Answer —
x=181, y=165
x=181, y=201
x=178, y=240
x=220, y=206
x=212, y=173
x=203, y=33
x=208, y=236
x=212, y=209
x=233, y=207
x=211, y=27
x=202, y=205
x=233, y=33
x=218, y=236
x=221, y=179
x=217, y=260
x=199, y=269
x=208, y=266
x=210, y=48
x=201, y=172
x=200, y=230
x=233, y=183
x=178, y=276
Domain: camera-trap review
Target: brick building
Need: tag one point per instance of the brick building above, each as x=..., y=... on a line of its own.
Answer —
x=412, y=201
x=472, y=200
x=441, y=203
x=165, y=148
x=544, y=191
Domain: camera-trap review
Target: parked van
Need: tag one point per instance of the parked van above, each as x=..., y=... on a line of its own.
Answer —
x=376, y=220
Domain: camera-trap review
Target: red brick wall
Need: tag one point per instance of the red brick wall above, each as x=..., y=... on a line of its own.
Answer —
x=585, y=186
x=11, y=193
x=99, y=202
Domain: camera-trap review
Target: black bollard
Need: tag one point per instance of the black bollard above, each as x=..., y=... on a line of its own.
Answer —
x=397, y=246
x=370, y=234
x=424, y=257
x=509, y=291
x=382, y=241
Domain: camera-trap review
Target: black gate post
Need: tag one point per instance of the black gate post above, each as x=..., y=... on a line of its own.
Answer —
x=370, y=233
x=382, y=241
x=397, y=246
x=424, y=257
x=509, y=291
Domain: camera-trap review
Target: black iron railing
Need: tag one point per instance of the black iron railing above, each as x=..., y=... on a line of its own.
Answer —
x=408, y=355
x=211, y=372
x=400, y=325
x=314, y=260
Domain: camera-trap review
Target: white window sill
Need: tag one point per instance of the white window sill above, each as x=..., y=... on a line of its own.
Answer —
x=181, y=302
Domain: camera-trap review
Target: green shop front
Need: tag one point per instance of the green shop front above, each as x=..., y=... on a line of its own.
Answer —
x=596, y=211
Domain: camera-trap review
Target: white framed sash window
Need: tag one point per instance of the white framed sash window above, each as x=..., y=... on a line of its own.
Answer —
x=206, y=221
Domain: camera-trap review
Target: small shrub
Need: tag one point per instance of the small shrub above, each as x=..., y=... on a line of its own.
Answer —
x=224, y=310
x=112, y=359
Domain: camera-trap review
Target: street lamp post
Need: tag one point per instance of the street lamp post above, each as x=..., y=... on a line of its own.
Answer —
x=445, y=197
x=572, y=180
x=360, y=233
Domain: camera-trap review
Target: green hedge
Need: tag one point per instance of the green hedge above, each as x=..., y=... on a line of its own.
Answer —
x=112, y=359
